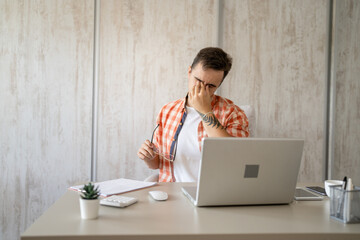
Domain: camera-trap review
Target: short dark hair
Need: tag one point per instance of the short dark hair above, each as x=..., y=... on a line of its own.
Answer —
x=213, y=58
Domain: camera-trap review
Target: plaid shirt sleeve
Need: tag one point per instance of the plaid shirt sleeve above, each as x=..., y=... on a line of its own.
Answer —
x=231, y=117
x=237, y=124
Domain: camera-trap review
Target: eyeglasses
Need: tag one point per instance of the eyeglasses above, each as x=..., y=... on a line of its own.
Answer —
x=167, y=157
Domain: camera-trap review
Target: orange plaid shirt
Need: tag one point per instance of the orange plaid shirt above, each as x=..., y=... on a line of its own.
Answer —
x=170, y=121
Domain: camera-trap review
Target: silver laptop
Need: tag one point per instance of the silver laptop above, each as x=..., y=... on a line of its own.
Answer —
x=246, y=171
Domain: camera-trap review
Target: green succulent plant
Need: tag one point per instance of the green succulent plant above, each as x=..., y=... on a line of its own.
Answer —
x=89, y=191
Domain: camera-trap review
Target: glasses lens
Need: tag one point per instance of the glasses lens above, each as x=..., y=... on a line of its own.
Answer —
x=168, y=157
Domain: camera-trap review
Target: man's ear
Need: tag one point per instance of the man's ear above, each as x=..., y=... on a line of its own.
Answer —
x=189, y=71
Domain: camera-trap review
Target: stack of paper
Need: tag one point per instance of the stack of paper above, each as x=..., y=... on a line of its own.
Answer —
x=117, y=186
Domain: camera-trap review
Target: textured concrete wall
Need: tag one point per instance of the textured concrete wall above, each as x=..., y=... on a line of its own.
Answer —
x=146, y=49
x=45, y=105
x=279, y=50
x=346, y=160
x=46, y=49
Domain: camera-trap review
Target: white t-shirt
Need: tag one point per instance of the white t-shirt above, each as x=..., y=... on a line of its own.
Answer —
x=187, y=159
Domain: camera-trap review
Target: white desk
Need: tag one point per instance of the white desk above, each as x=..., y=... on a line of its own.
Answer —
x=177, y=218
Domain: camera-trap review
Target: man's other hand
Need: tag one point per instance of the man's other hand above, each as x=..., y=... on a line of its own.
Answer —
x=147, y=154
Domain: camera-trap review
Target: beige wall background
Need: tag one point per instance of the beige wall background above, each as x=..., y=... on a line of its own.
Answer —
x=345, y=128
x=146, y=49
x=280, y=56
x=46, y=59
x=279, y=50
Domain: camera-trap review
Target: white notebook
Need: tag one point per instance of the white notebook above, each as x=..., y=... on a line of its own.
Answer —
x=117, y=186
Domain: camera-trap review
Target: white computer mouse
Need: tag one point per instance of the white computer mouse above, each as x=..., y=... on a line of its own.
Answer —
x=158, y=195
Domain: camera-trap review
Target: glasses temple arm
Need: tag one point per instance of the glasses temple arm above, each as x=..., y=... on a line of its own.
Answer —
x=152, y=136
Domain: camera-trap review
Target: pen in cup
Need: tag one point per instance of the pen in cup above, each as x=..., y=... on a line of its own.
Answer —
x=348, y=198
x=342, y=198
x=344, y=183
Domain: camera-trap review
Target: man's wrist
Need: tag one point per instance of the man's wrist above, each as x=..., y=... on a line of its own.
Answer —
x=204, y=110
x=204, y=115
x=210, y=120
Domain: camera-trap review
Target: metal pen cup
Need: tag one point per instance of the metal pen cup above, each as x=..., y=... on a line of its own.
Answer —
x=345, y=204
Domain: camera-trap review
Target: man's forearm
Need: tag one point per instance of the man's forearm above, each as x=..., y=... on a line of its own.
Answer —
x=212, y=125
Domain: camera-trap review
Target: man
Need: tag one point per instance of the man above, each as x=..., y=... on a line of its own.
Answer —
x=175, y=147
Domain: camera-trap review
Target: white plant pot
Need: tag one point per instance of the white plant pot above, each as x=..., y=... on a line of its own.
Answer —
x=89, y=209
